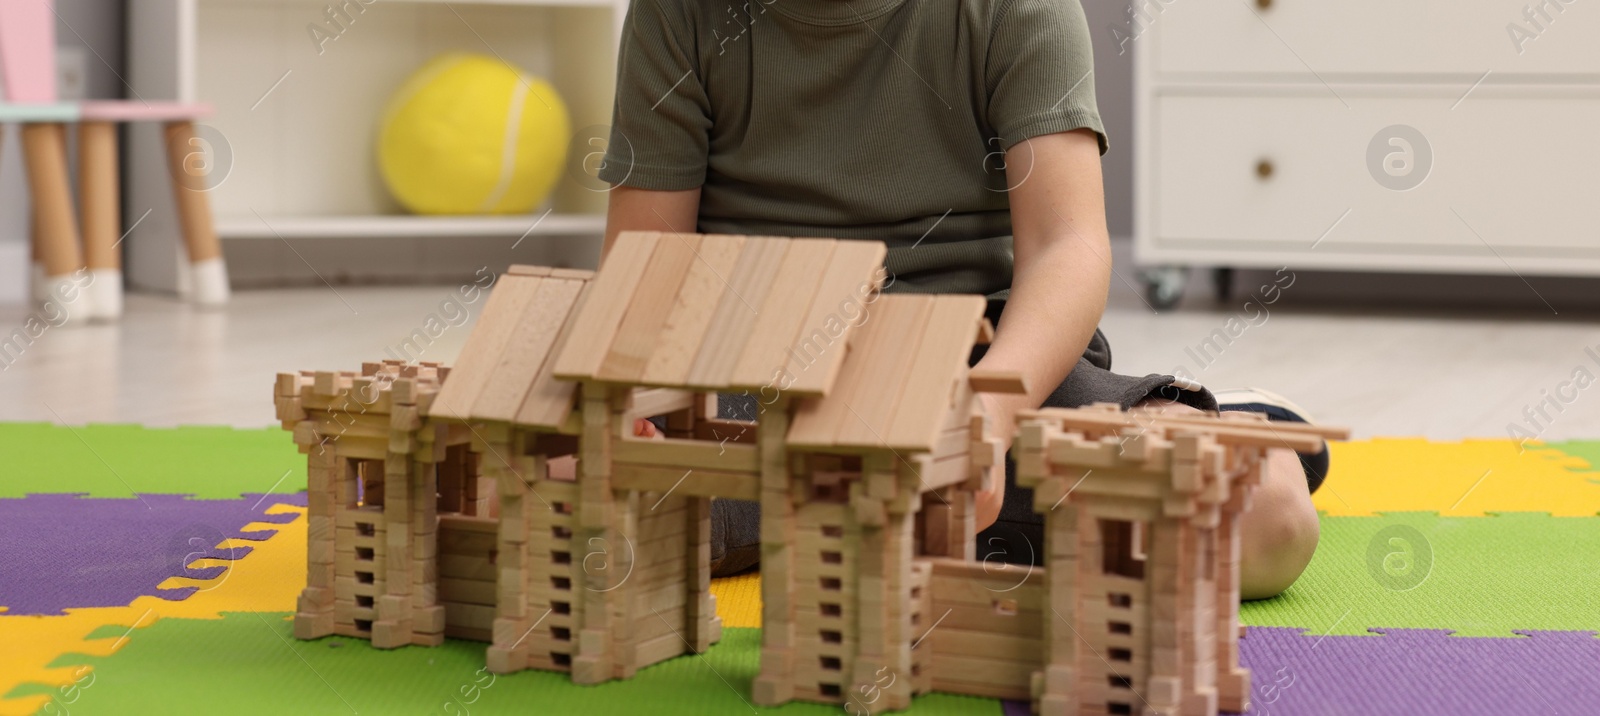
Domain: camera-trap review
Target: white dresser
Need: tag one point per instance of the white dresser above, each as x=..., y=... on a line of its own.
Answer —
x=1382, y=135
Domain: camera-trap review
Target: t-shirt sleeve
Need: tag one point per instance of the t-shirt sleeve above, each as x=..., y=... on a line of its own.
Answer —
x=661, y=117
x=1040, y=71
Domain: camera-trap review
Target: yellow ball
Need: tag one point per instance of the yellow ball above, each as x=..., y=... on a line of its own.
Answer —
x=468, y=134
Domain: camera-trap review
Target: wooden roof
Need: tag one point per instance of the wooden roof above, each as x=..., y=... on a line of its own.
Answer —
x=504, y=373
x=895, y=388
x=726, y=313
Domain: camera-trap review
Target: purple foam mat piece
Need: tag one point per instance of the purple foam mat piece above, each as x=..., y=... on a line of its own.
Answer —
x=64, y=551
x=1421, y=671
x=1015, y=708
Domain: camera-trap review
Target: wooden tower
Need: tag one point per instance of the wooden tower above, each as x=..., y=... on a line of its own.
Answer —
x=881, y=470
x=371, y=557
x=1142, y=543
x=524, y=570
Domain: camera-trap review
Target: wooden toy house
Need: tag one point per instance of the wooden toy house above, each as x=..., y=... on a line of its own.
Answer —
x=509, y=500
x=373, y=567
x=1142, y=554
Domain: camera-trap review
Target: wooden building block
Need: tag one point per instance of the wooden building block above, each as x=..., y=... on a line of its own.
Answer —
x=736, y=314
x=313, y=625
x=606, y=304
x=325, y=383
x=992, y=381
x=766, y=352
x=652, y=301
x=516, y=375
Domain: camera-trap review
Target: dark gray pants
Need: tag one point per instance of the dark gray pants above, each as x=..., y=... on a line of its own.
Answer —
x=1018, y=535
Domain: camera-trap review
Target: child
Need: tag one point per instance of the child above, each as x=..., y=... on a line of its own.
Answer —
x=962, y=133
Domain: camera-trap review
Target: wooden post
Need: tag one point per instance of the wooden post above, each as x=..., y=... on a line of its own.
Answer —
x=700, y=607
x=596, y=511
x=1164, y=686
x=392, y=626
x=512, y=642
x=427, y=615
x=1233, y=681
x=775, y=683
x=899, y=549
x=314, y=611
x=1062, y=644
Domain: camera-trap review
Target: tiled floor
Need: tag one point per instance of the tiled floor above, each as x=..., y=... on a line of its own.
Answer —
x=1377, y=353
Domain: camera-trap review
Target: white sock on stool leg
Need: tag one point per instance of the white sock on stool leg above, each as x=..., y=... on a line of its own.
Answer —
x=106, y=292
x=208, y=281
x=71, y=302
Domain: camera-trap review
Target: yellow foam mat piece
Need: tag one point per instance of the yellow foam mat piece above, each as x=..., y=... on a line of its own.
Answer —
x=738, y=599
x=268, y=579
x=1472, y=478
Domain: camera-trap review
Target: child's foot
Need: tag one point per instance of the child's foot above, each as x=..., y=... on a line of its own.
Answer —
x=1277, y=407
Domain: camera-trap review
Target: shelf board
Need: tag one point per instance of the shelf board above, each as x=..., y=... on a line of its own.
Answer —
x=343, y=227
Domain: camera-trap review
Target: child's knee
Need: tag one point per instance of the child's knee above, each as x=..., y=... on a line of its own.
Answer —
x=1280, y=531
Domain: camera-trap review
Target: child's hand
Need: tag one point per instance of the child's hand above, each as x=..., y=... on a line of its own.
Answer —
x=1002, y=416
x=643, y=428
x=1002, y=424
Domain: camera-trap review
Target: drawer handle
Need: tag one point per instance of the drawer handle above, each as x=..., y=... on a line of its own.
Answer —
x=1264, y=4
x=1264, y=169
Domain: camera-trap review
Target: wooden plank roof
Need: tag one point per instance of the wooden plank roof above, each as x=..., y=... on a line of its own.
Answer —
x=505, y=370
x=726, y=313
x=897, y=385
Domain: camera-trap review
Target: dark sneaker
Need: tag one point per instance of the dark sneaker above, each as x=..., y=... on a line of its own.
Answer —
x=1277, y=407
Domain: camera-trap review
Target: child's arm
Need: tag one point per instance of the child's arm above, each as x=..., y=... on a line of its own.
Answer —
x=1061, y=276
x=630, y=209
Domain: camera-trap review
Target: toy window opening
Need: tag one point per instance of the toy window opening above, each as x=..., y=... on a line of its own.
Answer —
x=709, y=417
x=458, y=481
x=1122, y=546
x=368, y=481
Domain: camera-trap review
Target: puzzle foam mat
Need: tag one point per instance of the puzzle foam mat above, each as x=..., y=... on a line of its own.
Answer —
x=157, y=578
x=104, y=552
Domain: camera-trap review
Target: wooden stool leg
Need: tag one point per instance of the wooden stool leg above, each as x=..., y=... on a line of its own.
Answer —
x=101, y=216
x=208, y=273
x=45, y=151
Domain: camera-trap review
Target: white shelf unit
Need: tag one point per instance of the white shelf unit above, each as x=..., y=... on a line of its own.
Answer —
x=1254, y=122
x=299, y=119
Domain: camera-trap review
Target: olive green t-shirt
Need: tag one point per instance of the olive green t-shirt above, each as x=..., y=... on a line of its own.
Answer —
x=856, y=119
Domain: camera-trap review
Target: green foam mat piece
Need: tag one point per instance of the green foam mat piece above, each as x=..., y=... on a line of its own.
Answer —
x=1586, y=449
x=247, y=663
x=122, y=460
x=1480, y=576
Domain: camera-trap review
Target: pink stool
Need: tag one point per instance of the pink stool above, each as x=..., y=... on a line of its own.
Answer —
x=27, y=58
x=27, y=55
